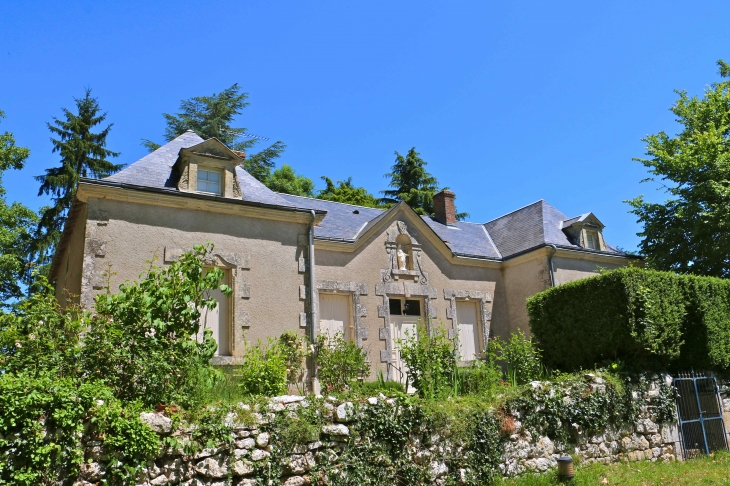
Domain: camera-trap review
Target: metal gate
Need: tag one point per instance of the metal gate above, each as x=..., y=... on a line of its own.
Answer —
x=700, y=414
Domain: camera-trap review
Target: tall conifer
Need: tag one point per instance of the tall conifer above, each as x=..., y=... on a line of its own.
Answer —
x=83, y=154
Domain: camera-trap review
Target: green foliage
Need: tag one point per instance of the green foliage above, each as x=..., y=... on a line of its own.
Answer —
x=690, y=232
x=345, y=192
x=485, y=449
x=413, y=184
x=522, y=358
x=16, y=223
x=139, y=339
x=42, y=418
x=265, y=370
x=564, y=409
x=640, y=317
x=212, y=117
x=481, y=378
x=83, y=154
x=295, y=350
x=339, y=362
x=285, y=180
x=431, y=361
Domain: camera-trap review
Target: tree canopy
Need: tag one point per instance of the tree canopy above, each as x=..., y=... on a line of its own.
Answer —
x=413, y=184
x=346, y=192
x=212, y=117
x=285, y=180
x=16, y=223
x=83, y=154
x=690, y=231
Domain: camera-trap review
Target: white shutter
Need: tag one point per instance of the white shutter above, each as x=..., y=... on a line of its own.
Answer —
x=334, y=315
x=217, y=320
x=468, y=330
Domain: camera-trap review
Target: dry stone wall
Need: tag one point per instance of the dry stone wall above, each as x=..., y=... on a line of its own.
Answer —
x=247, y=458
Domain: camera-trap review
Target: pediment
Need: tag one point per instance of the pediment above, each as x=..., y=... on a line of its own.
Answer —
x=213, y=148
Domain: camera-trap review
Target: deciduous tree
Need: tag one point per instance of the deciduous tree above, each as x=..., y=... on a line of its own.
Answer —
x=16, y=223
x=345, y=192
x=285, y=180
x=690, y=231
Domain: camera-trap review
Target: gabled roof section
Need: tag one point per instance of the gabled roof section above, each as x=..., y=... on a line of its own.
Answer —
x=213, y=148
x=155, y=169
x=343, y=221
x=587, y=218
x=254, y=191
x=465, y=239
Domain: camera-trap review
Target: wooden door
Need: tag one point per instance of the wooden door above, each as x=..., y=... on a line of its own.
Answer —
x=468, y=330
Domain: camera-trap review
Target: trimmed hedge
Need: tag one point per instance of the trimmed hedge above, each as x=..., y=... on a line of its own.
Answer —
x=642, y=318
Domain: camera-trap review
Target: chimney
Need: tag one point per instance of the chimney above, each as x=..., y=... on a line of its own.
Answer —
x=443, y=206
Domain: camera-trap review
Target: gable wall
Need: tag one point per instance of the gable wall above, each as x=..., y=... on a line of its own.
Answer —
x=266, y=253
x=365, y=266
x=68, y=278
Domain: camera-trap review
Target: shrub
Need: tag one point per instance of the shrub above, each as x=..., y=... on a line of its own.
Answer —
x=339, y=362
x=642, y=317
x=431, y=361
x=295, y=350
x=522, y=357
x=137, y=341
x=264, y=371
x=41, y=419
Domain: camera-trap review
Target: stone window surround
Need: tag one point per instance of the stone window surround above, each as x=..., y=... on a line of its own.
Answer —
x=485, y=315
x=235, y=263
x=189, y=174
x=359, y=311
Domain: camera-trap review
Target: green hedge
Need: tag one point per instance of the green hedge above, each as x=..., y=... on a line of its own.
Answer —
x=637, y=317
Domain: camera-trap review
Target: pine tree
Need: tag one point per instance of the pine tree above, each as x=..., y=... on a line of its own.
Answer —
x=346, y=192
x=412, y=184
x=83, y=154
x=16, y=223
x=212, y=116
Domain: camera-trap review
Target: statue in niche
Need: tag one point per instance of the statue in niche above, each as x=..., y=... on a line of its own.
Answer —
x=402, y=259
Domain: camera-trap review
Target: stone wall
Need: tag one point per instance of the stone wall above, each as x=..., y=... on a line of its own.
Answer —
x=250, y=450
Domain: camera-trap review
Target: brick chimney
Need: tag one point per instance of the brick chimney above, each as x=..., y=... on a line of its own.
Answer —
x=443, y=206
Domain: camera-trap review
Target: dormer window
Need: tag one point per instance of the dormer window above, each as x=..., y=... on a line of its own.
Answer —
x=592, y=240
x=209, y=181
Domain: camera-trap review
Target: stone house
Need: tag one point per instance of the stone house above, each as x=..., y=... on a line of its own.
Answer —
x=318, y=266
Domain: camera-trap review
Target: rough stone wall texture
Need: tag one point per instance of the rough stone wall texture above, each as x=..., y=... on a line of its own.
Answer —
x=251, y=447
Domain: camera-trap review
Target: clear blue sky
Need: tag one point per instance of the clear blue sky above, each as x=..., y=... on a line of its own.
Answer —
x=508, y=102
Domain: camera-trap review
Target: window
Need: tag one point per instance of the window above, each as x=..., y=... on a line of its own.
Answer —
x=209, y=181
x=334, y=316
x=592, y=240
x=218, y=319
x=404, y=307
x=468, y=330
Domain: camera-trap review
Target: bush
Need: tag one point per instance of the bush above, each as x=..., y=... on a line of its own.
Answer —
x=339, y=362
x=431, y=361
x=642, y=317
x=137, y=341
x=264, y=371
x=522, y=357
x=42, y=418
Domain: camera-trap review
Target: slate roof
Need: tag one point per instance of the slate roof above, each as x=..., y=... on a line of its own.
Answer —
x=530, y=227
x=155, y=169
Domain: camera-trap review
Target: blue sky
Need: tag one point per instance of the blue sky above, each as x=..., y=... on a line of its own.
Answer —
x=508, y=102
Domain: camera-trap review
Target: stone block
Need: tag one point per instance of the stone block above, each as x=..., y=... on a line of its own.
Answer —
x=157, y=422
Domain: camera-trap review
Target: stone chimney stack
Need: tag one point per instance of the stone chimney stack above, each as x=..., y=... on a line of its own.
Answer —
x=443, y=206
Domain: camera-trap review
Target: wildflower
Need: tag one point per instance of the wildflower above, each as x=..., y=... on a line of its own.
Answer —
x=17, y=344
x=40, y=322
x=31, y=336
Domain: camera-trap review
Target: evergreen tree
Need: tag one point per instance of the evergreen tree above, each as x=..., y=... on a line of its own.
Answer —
x=412, y=184
x=285, y=180
x=345, y=192
x=16, y=223
x=212, y=116
x=83, y=154
x=690, y=232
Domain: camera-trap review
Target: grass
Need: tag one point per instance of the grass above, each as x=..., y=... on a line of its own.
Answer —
x=706, y=470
